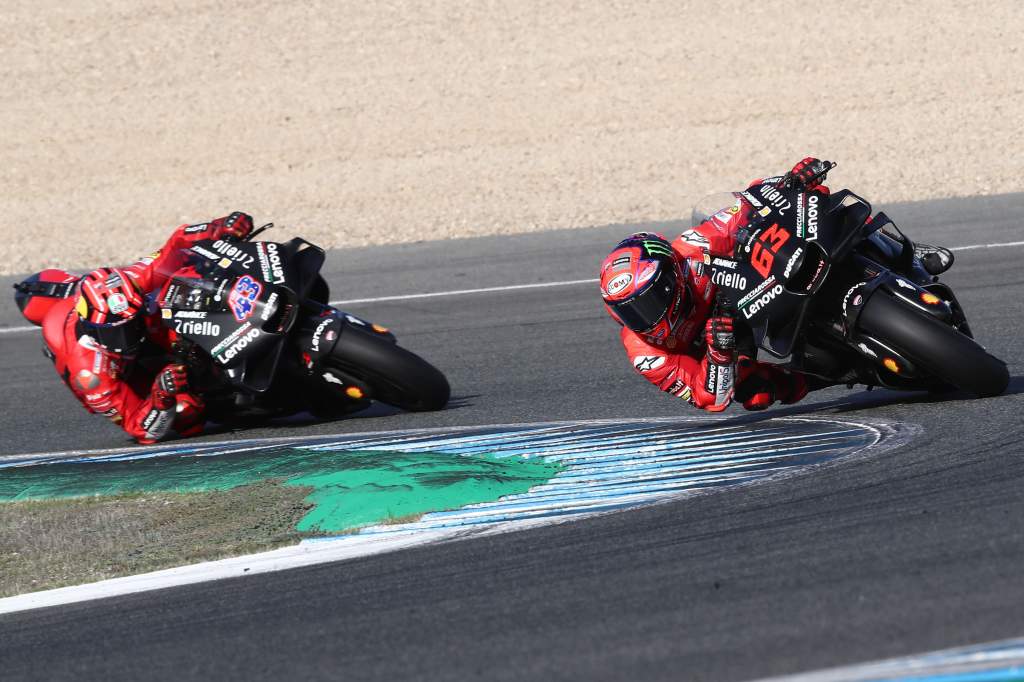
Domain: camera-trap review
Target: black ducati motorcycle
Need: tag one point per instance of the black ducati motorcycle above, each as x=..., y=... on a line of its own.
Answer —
x=819, y=285
x=251, y=321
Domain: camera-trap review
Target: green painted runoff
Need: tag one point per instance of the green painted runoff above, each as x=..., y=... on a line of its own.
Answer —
x=350, y=489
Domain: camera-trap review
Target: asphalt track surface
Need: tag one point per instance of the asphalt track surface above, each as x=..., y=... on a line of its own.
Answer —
x=912, y=550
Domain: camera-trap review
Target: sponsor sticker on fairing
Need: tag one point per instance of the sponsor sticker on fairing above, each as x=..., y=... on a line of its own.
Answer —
x=801, y=200
x=204, y=252
x=233, y=252
x=776, y=198
x=239, y=345
x=757, y=291
x=270, y=262
x=792, y=261
x=318, y=332
x=196, y=328
x=812, y=217
x=857, y=300
x=756, y=305
x=751, y=198
x=732, y=280
x=232, y=337
x=269, y=307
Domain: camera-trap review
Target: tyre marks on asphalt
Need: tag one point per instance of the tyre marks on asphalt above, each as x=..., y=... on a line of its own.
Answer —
x=621, y=465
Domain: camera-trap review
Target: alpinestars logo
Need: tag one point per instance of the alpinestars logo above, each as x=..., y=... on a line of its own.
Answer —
x=646, y=363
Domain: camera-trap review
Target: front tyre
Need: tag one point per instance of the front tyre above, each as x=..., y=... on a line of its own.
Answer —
x=948, y=354
x=392, y=374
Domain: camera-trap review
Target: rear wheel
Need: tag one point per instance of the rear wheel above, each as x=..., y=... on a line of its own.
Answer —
x=950, y=355
x=392, y=374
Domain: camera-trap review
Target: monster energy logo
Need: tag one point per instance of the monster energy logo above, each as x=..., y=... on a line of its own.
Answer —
x=658, y=248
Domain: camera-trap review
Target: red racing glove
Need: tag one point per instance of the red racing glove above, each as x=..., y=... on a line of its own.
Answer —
x=721, y=340
x=806, y=174
x=238, y=225
x=170, y=382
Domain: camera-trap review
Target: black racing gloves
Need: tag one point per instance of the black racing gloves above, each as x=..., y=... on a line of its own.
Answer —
x=721, y=340
x=807, y=174
x=172, y=380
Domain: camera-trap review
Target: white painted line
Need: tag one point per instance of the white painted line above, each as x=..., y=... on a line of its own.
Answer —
x=288, y=557
x=462, y=292
x=511, y=287
x=971, y=247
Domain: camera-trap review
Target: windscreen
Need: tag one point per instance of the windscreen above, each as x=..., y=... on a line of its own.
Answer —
x=726, y=203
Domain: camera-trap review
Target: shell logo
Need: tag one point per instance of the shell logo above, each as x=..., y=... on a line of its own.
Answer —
x=354, y=392
x=930, y=298
x=891, y=365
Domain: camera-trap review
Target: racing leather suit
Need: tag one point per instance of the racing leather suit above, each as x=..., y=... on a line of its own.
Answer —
x=682, y=364
x=116, y=386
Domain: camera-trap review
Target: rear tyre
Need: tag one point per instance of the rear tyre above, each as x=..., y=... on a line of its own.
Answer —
x=392, y=374
x=951, y=356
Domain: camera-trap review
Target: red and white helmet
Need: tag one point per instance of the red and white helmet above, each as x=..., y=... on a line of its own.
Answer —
x=643, y=284
x=37, y=294
x=108, y=309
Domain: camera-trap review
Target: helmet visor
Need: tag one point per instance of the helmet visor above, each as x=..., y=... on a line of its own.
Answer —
x=122, y=337
x=646, y=309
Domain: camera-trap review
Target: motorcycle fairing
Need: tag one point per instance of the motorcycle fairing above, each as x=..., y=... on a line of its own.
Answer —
x=252, y=326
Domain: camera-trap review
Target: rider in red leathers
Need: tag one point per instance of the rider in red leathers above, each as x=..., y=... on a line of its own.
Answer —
x=662, y=295
x=95, y=326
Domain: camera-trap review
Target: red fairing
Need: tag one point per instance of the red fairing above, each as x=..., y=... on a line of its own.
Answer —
x=678, y=362
x=109, y=384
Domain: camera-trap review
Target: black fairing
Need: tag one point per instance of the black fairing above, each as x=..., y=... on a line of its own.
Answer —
x=238, y=302
x=804, y=268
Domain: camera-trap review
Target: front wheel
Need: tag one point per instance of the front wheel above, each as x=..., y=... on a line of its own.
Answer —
x=392, y=374
x=948, y=354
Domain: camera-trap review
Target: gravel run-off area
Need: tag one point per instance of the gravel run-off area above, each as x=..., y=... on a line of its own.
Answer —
x=356, y=123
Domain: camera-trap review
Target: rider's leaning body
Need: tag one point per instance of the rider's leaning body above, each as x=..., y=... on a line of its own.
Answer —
x=662, y=295
x=95, y=326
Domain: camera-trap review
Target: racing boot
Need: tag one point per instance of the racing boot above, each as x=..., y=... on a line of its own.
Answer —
x=935, y=259
x=189, y=419
x=766, y=383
